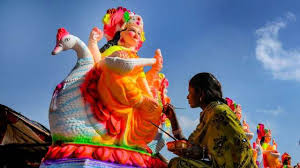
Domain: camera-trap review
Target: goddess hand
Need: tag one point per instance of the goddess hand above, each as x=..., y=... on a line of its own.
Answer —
x=96, y=35
x=148, y=104
x=121, y=54
x=159, y=61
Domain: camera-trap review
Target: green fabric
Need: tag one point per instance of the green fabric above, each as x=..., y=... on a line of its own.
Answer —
x=126, y=16
x=180, y=162
x=87, y=140
x=221, y=134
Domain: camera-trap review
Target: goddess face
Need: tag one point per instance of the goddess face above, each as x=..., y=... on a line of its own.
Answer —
x=268, y=137
x=131, y=36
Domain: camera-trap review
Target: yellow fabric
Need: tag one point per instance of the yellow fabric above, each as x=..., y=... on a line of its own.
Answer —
x=121, y=95
x=180, y=162
x=221, y=134
x=113, y=49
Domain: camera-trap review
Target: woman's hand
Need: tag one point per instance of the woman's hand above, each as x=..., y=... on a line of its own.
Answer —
x=169, y=111
x=179, y=152
x=95, y=35
x=159, y=61
x=179, y=147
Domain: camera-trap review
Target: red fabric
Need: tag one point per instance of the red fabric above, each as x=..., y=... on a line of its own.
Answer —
x=266, y=164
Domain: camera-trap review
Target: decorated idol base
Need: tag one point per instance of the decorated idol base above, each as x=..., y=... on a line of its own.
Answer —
x=82, y=163
x=76, y=155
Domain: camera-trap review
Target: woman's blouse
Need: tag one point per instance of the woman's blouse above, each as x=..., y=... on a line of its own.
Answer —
x=221, y=134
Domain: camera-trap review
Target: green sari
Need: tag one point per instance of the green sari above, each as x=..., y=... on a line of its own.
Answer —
x=220, y=134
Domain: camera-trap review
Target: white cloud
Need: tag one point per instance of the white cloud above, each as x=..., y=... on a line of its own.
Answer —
x=274, y=112
x=188, y=123
x=284, y=64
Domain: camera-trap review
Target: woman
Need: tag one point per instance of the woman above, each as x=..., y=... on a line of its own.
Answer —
x=219, y=140
x=125, y=104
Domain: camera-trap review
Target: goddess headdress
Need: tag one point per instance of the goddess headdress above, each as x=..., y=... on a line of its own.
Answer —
x=262, y=131
x=285, y=157
x=115, y=20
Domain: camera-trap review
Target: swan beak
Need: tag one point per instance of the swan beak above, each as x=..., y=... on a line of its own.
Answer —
x=57, y=50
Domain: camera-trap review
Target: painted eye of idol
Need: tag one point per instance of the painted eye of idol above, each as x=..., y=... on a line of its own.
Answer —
x=132, y=30
x=135, y=31
x=138, y=32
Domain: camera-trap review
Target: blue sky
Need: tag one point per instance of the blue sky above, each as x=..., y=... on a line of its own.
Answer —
x=253, y=48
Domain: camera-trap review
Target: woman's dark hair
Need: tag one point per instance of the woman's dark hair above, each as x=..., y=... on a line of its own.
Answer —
x=208, y=84
x=112, y=42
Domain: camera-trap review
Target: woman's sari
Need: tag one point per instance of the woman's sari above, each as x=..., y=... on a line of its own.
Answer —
x=221, y=135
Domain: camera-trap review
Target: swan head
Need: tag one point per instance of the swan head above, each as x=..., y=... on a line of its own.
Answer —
x=64, y=41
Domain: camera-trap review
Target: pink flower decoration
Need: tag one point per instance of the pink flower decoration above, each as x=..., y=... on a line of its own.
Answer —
x=230, y=103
